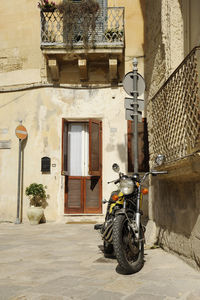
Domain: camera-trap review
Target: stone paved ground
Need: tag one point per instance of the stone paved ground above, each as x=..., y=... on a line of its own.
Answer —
x=63, y=261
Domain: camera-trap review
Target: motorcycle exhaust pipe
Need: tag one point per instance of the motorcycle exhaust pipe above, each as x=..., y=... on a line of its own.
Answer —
x=106, y=231
x=108, y=236
x=110, y=239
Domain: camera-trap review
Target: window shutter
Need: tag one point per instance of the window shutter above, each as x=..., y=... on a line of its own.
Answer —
x=143, y=147
x=93, y=196
x=74, y=191
x=95, y=151
x=64, y=147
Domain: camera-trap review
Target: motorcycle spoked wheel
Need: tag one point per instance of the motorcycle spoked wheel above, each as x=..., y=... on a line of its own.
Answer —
x=129, y=254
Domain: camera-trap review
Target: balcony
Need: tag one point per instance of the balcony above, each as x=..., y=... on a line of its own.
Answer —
x=83, y=42
x=56, y=32
x=175, y=115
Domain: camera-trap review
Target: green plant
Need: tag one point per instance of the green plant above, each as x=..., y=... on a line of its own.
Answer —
x=37, y=195
x=114, y=34
x=45, y=4
x=79, y=20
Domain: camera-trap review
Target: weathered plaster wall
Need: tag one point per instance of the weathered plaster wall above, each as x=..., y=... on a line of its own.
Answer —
x=20, y=36
x=42, y=111
x=134, y=31
x=21, y=58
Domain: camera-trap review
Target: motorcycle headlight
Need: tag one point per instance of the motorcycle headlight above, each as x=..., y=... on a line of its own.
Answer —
x=126, y=186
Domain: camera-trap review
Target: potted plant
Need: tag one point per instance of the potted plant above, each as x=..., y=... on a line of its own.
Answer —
x=114, y=34
x=47, y=6
x=37, y=196
x=79, y=21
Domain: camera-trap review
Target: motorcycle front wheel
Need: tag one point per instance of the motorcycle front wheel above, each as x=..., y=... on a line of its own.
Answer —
x=129, y=252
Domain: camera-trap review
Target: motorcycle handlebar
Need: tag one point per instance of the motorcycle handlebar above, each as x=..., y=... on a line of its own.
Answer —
x=158, y=172
x=154, y=173
x=114, y=181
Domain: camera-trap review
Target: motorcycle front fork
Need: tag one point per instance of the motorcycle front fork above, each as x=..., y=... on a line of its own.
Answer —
x=137, y=214
x=135, y=225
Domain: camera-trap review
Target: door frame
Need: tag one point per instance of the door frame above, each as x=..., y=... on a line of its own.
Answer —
x=83, y=209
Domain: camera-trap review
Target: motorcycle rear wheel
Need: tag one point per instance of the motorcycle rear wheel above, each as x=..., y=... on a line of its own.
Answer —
x=129, y=253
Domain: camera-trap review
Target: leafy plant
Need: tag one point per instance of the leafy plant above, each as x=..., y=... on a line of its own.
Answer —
x=79, y=20
x=46, y=5
x=37, y=195
x=114, y=34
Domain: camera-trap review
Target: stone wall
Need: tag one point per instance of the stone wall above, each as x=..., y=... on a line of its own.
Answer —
x=176, y=210
x=174, y=198
x=164, y=45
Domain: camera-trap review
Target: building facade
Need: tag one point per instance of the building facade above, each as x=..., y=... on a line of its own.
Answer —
x=65, y=87
x=172, y=39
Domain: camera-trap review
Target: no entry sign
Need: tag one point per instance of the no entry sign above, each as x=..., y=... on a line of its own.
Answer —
x=21, y=132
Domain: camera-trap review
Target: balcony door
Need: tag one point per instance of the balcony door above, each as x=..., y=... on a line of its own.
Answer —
x=81, y=166
x=101, y=24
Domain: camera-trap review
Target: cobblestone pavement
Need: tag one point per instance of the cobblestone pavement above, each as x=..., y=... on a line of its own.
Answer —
x=64, y=261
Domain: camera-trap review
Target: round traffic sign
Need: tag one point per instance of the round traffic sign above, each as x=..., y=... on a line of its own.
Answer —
x=128, y=84
x=21, y=132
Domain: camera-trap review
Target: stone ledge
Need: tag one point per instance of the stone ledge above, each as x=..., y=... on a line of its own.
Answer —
x=185, y=169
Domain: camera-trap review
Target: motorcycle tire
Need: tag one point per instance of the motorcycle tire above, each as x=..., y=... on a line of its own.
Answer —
x=129, y=254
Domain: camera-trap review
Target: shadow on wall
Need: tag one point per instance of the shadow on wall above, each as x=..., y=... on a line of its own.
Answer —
x=122, y=152
x=125, y=150
x=120, y=149
x=176, y=211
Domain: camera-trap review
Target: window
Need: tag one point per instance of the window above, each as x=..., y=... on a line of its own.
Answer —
x=81, y=143
x=78, y=149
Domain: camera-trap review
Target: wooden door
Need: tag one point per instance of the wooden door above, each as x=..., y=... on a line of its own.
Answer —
x=83, y=194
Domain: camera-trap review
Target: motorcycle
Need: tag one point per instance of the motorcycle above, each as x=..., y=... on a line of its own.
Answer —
x=122, y=231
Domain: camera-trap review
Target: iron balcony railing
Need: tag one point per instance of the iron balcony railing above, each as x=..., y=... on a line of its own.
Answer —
x=108, y=32
x=175, y=112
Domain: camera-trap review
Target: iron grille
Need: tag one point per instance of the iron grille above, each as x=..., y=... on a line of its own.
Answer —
x=109, y=30
x=175, y=112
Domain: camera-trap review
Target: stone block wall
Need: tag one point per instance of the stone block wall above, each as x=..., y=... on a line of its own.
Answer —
x=176, y=210
x=174, y=203
x=164, y=41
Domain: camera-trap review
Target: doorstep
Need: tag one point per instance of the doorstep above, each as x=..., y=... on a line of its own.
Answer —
x=83, y=218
